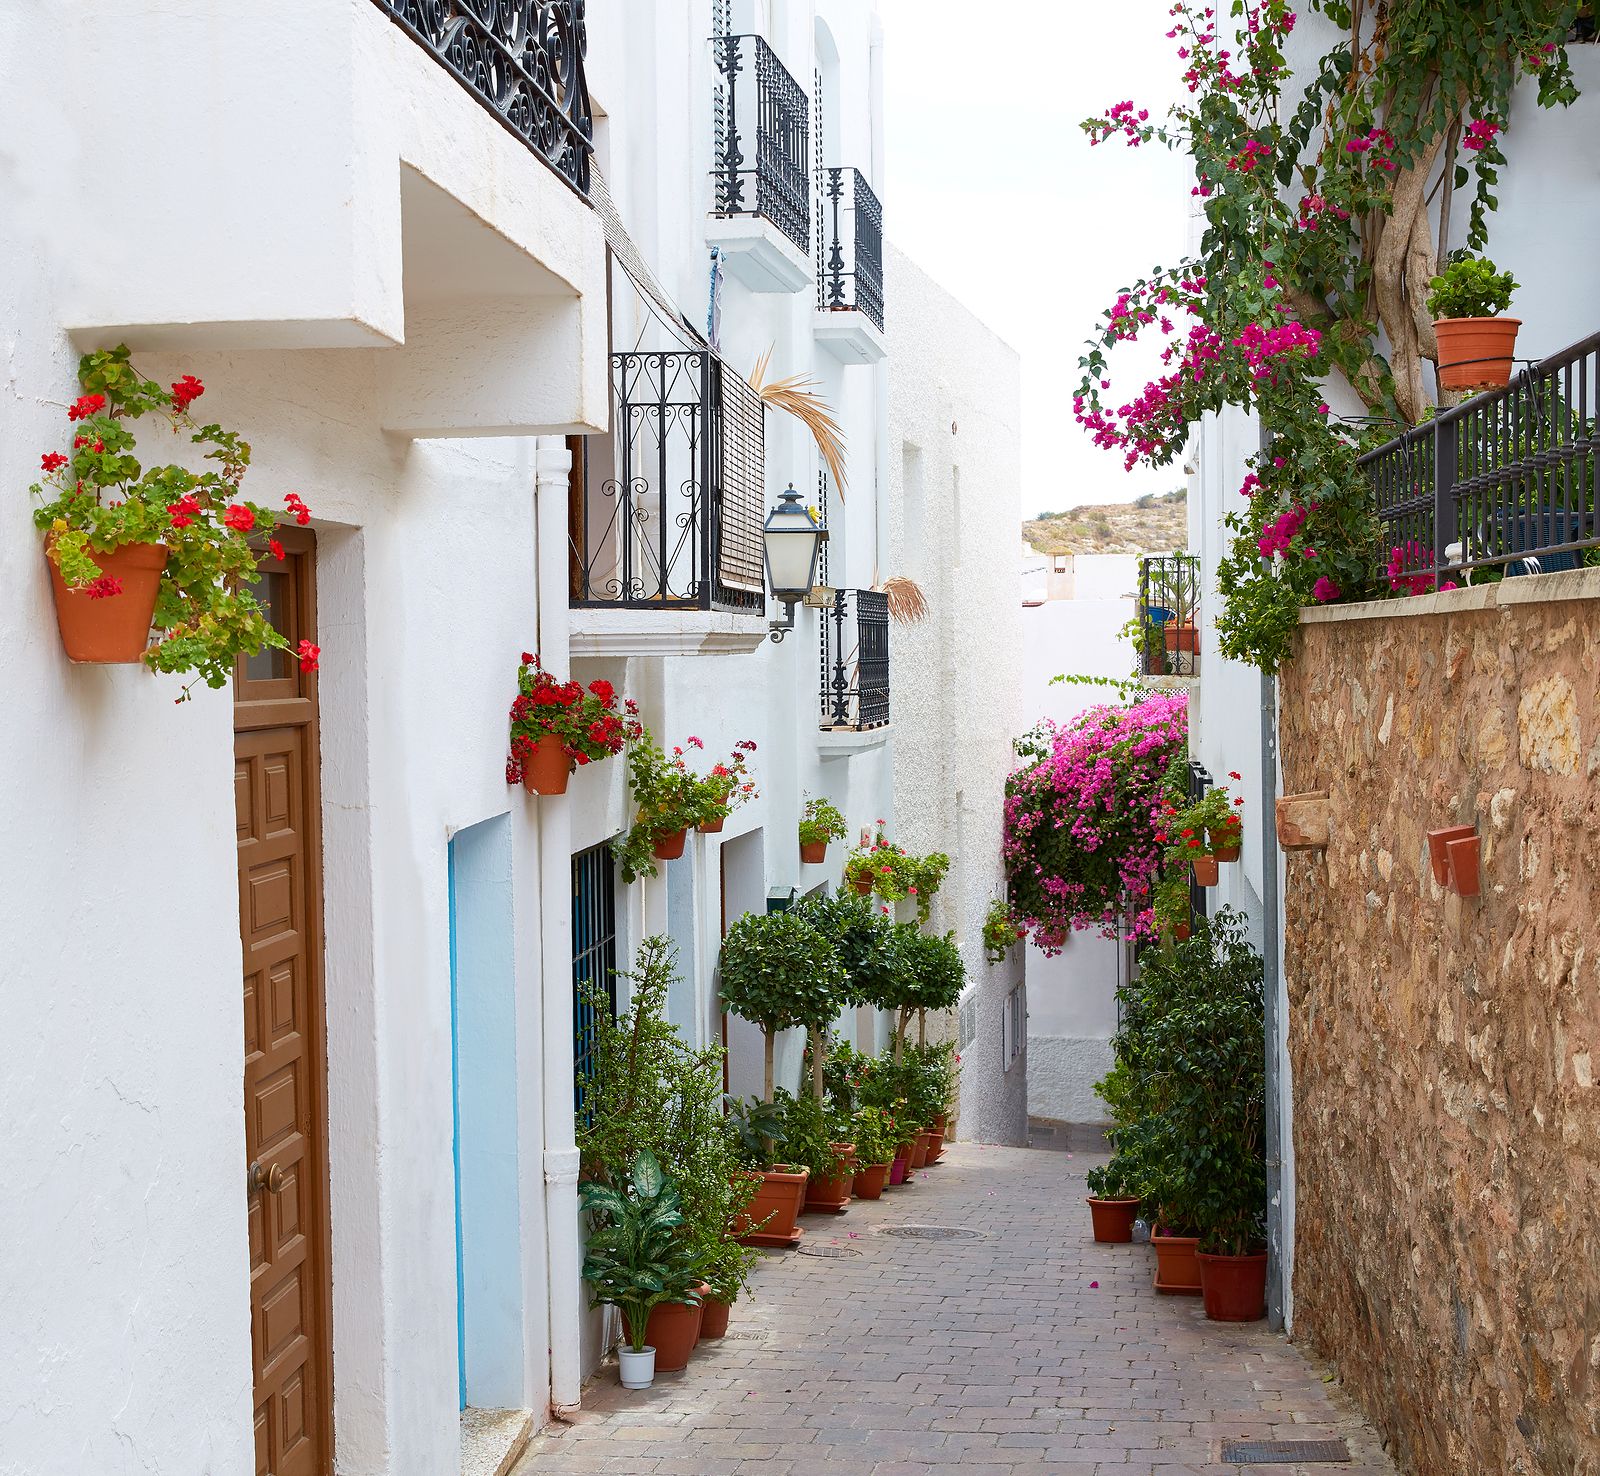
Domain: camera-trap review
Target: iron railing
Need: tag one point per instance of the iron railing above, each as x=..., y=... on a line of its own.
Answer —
x=1199, y=783
x=1168, y=639
x=594, y=960
x=855, y=661
x=850, y=245
x=1506, y=478
x=523, y=60
x=763, y=108
x=666, y=511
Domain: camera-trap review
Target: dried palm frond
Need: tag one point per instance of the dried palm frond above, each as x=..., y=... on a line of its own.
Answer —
x=907, y=603
x=797, y=396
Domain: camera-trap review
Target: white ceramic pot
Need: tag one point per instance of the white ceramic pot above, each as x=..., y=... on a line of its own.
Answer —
x=638, y=1369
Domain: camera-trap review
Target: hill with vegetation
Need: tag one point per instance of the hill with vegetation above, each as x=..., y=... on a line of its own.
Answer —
x=1155, y=523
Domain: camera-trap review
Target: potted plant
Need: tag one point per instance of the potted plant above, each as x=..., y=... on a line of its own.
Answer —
x=636, y=1258
x=1113, y=1201
x=559, y=726
x=132, y=548
x=810, y=1143
x=820, y=822
x=726, y=787
x=669, y=800
x=1001, y=931
x=876, y=1136
x=1204, y=833
x=1174, y=908
x=892, y=874
x=1476, y=345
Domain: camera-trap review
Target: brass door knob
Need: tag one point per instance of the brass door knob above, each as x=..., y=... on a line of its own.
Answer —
x=271, y=1180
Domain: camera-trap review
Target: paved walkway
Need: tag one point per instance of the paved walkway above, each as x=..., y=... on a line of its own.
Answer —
x=1026, y=1348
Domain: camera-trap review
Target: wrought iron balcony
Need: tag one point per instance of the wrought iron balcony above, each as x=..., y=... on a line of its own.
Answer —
x=850, y=246
x=1169, y=594
x=666, y=511
x=762, y=123
x=1506, y=479
x=523, y=60
x=855, y=661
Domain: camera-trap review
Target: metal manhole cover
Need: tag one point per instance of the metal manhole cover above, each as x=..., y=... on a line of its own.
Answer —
x=744, y=1337
x=1282, y=1452
x=828, y=1250
x=932, y=1232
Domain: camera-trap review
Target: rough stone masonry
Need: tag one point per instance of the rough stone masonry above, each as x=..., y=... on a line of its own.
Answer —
x=1446, y=1122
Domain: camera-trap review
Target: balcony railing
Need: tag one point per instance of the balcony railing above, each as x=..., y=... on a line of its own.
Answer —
x=762, y=124
x=523, y=60
x=1506, y=478
x=850, y=245
x=666, y=511
x=1169, y=596
x=855, y=661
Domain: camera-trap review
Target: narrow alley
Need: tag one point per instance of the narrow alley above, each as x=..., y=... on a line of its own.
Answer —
x=884, y=1346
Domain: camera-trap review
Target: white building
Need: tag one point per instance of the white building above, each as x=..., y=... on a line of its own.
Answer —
x=423, y=322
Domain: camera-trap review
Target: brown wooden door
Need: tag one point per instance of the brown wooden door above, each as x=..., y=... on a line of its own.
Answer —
x=278, y=805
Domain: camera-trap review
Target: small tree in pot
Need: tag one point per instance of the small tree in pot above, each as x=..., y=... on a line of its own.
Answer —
x=1476, y=343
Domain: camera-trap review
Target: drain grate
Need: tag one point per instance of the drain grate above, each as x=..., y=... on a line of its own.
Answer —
x=832, y=1251
x=1282, y=1452
x=931, y=1232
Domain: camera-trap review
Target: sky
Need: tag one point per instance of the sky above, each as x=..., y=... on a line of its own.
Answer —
x=991, y=187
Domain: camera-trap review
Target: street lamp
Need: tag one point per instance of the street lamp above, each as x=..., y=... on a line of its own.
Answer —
x=790, y=539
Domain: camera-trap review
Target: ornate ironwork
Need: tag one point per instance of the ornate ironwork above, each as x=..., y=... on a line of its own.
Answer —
x=855, y=661
x=774, y=114
x=1506, y=478
x=850, y=274
x=666, y=511
x=1199, y=783
x=523, y=60
x=1169, y=596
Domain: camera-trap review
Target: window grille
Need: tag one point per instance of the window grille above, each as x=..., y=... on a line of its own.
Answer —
x=594, y=955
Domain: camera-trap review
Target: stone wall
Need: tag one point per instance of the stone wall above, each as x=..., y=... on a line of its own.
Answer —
x=1446, y=1123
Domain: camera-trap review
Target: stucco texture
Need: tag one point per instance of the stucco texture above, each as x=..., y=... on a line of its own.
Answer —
x=1447, y=1130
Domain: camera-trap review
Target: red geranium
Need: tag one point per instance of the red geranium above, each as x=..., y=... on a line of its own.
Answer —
x=585, y=720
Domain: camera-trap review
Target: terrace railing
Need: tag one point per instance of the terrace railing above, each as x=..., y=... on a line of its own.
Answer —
x=760, y=165
x=850, y=245
x=1506, y=478
x=855, y=661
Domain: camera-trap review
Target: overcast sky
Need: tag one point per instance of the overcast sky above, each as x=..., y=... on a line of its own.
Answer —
x=991, y=187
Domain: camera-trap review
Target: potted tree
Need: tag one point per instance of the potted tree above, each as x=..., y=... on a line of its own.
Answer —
x=810, y=1143
x=1476, y=345
x=637, y=1258
x=558, y=726
x=820, y=822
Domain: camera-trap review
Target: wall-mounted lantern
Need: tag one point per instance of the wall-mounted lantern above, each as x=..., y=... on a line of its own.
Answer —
x=791, y=539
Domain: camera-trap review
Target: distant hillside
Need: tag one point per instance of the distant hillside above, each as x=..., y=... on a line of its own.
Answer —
x=1155, y=523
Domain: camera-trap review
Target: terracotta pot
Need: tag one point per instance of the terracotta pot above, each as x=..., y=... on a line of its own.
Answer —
x=828, y=1196
x=813, y=853
x=1181, y=932
x=770, y=1217
x=1438, y=856
x=672, y=1330
x=1234, y=1287
x=919, y=1151
x=941, y=1124
x=1221, y=851
x=864, y=888
x=548, y=770
x=713, y=1319
x=868, y=1182
x=898, y=1168
x=1113, y=1219
x=1205, y=870
x=1177, y=1270
x=1476, y=353
x=932, y=1145
x=710, y=827
x=667, y=845
x=1463, y=853
x=1181, y=637
x=116, y=628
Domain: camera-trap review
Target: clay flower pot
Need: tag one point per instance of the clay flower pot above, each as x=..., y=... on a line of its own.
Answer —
x=1463, y=852
x=813, y=853
x=868, y=1182
x=667, y=845
x=711, y=827
x=1438, y=856
x=713, y=1319
x=941, y=1125
x=828, y=1196
x=1205, y=871
x=1181, y=932
x=932, y=1144
x=548, y=770
x=1113, y=1219
x=1225, y=845
x=1234, y=1287
x=1180, y=637
x=770, y=1217
x=863, y=886
x=117, y=627
x=1177, y=1270
x=672, y=1330
x=1476, y=353
x=919, y=1151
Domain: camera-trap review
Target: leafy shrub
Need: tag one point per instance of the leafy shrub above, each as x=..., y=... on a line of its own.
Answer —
x=1470, y=287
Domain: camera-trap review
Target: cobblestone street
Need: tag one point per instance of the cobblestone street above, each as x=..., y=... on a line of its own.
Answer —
x=1019, y=1345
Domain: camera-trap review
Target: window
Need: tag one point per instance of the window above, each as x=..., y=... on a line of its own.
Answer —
x=594, y=953
x=1016, y=1024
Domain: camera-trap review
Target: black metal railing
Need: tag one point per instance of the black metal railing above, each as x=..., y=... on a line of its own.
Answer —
x=594, y=960
x=855, y=661
x=850, y=245
x=666, y=511
x=764, y=110
x=1506, y=478
x=1199, y=783
x=523, y=60
x=1167, y=636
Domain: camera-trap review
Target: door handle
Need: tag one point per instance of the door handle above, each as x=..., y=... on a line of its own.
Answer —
x=271, y=1180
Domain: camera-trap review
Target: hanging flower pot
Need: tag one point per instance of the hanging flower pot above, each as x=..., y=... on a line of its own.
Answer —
x=1438, y=852
x=1206, y=873
x=1181, y=932
x=546, y=769
x=1463, y=853
x=863, y=885
x=1234, y=1287
x=1225, y=842
x=106, y=628
x=1476, y=353
x=711, y=827
x=667, y=845
x=813, y=853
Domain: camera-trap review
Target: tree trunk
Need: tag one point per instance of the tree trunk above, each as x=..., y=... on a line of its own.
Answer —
x=767, y=1088
x=818, y=1060
x=900, y=1035
x=922, y=1029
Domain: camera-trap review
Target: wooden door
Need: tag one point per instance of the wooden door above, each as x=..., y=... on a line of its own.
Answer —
x=278, y=807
